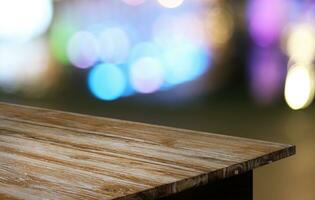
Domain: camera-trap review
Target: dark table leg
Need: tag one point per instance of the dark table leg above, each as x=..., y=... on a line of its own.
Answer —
x=238, y=187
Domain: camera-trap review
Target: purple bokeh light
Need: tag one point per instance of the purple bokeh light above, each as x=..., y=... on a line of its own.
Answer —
x=267, y=70
x=266, y=20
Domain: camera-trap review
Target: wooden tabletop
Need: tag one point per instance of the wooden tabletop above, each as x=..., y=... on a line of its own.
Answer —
x=47, y=154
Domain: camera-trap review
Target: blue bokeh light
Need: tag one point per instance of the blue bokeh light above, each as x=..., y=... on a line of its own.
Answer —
x=144, y=49
x=107, y=82
x=129, y=90
x=185, y=63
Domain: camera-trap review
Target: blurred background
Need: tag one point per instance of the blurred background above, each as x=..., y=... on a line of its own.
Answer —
x=242, y=68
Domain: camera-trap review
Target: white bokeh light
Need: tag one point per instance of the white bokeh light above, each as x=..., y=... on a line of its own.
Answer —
x=114, y=45
x=83, y=49
x=134, y=2
x=301, y=43
x=23, y=20
x=171, y=3
x=147, y=75
x=299, y=86
x=23, y=65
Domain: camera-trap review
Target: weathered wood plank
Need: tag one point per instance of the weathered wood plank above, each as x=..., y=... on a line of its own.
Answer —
x=47, y=154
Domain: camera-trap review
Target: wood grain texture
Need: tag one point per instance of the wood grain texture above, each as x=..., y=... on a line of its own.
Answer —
x=47, y=154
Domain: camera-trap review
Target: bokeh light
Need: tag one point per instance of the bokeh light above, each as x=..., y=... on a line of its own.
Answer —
x=83, y=49
x=171, y=3
x=59, y=37
x=107, y=82
x=147, y=75
x=144, y=49
x=184, y=63
x=219, y=26
x=301, y=43
x=26, y=67
x=267, y=70
x=134, y=2
x=169, y=30
x=184, y=50
x=266, y=19
x=299, y=86
x=114, y=45
x=23, y=20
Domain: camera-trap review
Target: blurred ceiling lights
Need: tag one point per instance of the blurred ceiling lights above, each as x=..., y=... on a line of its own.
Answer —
x=300, y=81
x=147, y=51
x=142, y=46
x=269, y=22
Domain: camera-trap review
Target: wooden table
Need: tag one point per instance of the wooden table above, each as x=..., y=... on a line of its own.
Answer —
x=47, y=154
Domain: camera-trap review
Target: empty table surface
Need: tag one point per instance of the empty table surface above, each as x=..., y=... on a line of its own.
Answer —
x=48, y=154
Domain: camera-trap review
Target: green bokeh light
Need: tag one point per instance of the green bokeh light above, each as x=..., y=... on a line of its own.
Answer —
x=58, y=39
